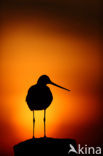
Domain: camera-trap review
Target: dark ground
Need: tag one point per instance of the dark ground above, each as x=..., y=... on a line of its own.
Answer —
x=44, y=146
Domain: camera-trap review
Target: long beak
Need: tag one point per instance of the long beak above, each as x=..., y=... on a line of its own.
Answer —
x=59, y=86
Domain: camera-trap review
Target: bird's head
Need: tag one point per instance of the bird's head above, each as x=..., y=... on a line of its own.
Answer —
x=44, y=80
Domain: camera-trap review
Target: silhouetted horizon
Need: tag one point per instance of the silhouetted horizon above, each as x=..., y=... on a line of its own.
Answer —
x=44, y=146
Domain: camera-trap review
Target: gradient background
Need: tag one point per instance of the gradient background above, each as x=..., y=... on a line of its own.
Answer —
x=61, y=39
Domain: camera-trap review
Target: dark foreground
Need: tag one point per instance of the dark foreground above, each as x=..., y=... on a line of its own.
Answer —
x=44, y=146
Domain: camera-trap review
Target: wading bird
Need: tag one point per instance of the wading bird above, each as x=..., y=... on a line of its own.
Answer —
x=39, y=97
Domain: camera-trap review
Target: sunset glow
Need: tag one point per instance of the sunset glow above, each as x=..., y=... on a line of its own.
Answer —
x=71, y=60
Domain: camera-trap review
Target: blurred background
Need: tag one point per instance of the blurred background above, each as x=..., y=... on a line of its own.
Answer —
x=61, y=39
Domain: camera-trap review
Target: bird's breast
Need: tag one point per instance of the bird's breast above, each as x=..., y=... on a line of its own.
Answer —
x=39, y=97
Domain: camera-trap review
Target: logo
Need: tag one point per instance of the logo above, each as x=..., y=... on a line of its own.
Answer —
x=72, y=149
x=85, y=150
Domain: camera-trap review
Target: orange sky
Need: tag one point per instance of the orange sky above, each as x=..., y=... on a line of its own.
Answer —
x=35, y=46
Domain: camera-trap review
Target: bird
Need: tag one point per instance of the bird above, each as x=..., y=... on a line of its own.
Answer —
x=39, y=97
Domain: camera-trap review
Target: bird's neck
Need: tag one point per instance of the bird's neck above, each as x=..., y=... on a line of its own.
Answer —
x=41, y=84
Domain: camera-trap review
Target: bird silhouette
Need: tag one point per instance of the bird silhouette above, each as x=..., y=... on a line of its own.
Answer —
x=39, y=97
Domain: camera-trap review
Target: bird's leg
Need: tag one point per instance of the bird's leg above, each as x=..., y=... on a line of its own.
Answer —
x=33, y=124
x=44, y=123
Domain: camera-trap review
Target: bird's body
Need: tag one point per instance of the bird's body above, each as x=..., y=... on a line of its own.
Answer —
x=39, y=97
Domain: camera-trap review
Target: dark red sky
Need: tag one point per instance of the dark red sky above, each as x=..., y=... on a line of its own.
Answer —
x=63, y=40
